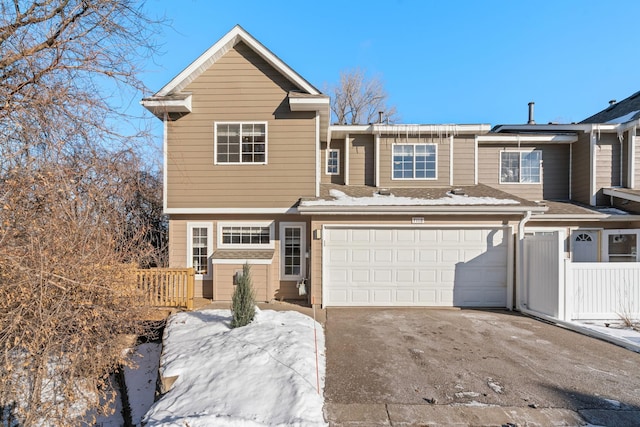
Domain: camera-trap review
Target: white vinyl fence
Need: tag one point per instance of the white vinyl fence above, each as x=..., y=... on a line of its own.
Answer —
x=602, y=290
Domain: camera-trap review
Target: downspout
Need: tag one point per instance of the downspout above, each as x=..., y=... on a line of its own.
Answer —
x=592, y=168
x=520, y=271
x=451, y=160
x=570, y=171
x=165, y=126
x=318, y=157
x=632, y=158
x=346, y=159
x=377, y=160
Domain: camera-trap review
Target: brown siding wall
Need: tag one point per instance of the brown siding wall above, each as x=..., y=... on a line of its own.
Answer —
x=555, y=171
x=266, y=277
x=626, y=205
x=362, y=160
x=607, y=165
x=240, y=87
x=464, y=161
x=386, y=161
x=580, y=171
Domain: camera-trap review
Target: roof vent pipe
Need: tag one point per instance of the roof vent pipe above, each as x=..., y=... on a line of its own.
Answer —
x=380, y=113
x=613, y=101
x=531, y=121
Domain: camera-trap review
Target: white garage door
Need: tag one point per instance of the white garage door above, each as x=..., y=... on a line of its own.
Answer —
x=380, y=266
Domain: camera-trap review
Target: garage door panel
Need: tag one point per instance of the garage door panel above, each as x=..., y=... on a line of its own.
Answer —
x=428, y=255
x=415, y=266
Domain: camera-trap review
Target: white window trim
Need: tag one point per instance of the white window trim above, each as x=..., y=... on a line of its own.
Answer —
x=519, y=167
x=605, y=242
x=266, y=143
x=209, y=227
x=414, y=163
x=269, y=224
x=326, y=169
x=303, y=249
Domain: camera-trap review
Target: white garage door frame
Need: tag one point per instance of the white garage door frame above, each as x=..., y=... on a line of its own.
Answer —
x=508, y=231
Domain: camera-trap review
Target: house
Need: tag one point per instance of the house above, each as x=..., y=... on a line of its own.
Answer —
x=380, y=214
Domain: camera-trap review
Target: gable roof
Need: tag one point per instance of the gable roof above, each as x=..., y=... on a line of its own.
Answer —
x=621, y=112
x=222, y=46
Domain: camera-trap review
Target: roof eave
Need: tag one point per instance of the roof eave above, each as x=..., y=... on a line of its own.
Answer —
x=418, y=210
x=221, y=47
x=159, y=106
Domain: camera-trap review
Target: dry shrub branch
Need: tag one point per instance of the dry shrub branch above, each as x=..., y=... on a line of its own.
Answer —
x=78, y=208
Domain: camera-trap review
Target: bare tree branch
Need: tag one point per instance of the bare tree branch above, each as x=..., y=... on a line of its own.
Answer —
x=358, y=100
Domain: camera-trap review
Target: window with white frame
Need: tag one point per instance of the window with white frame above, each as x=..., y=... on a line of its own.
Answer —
x=245, y=235
x=240, y=142
x=520, y=167
x=199, y=247
x=621, y=245
x=414, y=161
x=333, y=162
x=292, y=250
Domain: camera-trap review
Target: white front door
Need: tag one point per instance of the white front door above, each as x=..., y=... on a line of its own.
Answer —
x=584, y=246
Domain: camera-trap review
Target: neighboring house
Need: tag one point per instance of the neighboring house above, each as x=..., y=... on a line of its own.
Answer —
x=378, y=214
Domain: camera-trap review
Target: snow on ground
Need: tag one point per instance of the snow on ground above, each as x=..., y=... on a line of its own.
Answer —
x=141, y=380
x=260, y=374
x=341, y=199
x=615, y=330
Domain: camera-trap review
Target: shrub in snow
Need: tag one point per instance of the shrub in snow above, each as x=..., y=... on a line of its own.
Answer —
x=243, y=305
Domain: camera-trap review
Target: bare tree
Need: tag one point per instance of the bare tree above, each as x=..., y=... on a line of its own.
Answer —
x=359, y=100
x=72, y=197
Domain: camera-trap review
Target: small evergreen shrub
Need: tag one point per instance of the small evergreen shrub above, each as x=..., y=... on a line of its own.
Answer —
x=243, y=303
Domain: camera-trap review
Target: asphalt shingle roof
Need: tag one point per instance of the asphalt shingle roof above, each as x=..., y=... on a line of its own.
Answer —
x=619, y=109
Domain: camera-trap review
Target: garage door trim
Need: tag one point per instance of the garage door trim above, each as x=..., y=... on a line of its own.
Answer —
x=507, y=229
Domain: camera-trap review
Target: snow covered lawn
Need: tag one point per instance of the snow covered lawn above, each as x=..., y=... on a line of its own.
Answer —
x=260, y=374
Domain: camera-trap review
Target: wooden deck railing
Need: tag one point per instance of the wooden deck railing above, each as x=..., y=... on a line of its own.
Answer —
x=167, y=287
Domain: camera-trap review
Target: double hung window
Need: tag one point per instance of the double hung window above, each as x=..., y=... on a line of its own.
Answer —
x=243, y=143
x=414, y=161
x=520, y=167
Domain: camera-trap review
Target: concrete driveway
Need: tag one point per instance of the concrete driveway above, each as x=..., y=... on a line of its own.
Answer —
x=472, y=367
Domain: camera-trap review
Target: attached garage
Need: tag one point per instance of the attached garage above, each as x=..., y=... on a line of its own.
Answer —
x=416, y=266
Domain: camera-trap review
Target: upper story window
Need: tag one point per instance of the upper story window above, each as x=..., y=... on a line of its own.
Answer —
x=414, y=161
x=240, y=235
x=243, y=143
x=333, y=162
x=520, y=167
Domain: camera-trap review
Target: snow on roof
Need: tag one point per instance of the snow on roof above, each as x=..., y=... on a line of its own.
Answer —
x=623, y=119
x=341, y=199
x=612, y=211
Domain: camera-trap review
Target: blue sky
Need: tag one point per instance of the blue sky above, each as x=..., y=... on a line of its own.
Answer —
x=441, y=61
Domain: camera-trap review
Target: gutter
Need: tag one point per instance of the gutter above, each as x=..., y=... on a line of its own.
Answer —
x=438, y=210
x=520, y=260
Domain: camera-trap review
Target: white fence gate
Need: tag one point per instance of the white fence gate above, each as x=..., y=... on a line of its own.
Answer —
x=565, y=290
x=543, y=275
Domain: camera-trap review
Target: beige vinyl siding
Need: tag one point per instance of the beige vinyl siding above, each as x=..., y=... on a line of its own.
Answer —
x=240, y=87
x=362, y=160
x=607, y=165
x=581, y=170
x=266, y=277
x=464, y=161
x=554, y=176
x=178, y=244
x=335, y=144
x=386, y=161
